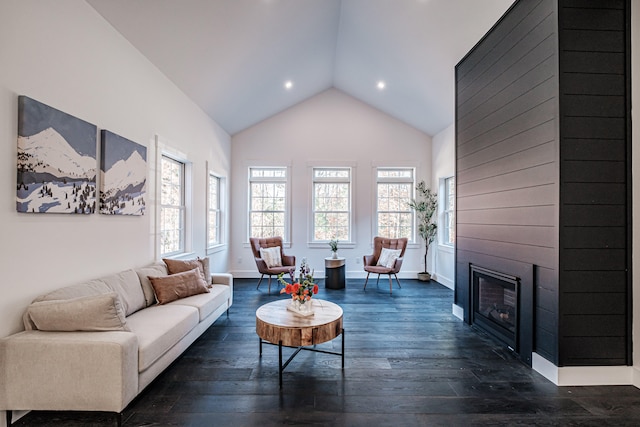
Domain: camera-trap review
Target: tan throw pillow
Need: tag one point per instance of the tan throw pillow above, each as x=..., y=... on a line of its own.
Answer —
x=90, y=313
x=271, y=256
x=179, y=285
x=154, y=270
x=388, y=257
x=207, y=270
x=180, y=266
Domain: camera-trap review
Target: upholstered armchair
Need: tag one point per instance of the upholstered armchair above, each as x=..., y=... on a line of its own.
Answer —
x=270, y=260
x=386, y=259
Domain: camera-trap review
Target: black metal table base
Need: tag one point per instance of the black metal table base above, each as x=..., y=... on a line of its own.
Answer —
x=282, y=366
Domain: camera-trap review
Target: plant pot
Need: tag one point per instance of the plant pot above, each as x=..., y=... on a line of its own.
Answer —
x=334, y=255
x=424, y=277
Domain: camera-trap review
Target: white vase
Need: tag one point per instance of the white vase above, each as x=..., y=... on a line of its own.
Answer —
x=304, y=309
x=335, y=255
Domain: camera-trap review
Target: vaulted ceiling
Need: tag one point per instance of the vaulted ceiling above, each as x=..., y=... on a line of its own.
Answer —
x=233, y=57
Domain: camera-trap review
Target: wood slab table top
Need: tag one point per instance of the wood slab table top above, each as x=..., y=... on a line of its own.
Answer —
x=275, y=324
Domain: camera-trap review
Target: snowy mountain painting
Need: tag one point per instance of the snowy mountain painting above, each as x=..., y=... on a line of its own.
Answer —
x=56, y=161
x=123, y=175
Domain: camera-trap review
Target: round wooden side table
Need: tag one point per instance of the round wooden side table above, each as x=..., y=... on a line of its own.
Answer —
x=278, y=326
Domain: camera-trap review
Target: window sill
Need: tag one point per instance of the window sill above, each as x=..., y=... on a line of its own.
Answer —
x=215, y=249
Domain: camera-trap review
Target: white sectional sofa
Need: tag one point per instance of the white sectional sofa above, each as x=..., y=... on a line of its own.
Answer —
x=97, y=345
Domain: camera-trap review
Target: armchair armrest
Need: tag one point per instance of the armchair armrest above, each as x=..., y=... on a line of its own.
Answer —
x=368, y=260
x=288, y=260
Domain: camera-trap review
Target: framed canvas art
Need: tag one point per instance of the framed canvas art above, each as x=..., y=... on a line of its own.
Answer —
x=123, y=175
x=56, y=161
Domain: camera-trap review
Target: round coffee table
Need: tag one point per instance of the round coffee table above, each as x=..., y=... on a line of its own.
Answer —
x=278, y=326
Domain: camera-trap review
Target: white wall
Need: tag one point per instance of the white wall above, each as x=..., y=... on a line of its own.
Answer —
x=329, y=127
x=64, y=54
x=444, y=158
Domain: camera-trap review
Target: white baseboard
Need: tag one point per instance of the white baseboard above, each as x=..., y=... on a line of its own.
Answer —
x=457, y=311
x=585, y=375
x=320, y=274
x=444, y=281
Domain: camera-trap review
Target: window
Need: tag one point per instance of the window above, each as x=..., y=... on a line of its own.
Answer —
x=268, y=202
x=449, y=211
x=214, y=217
x=172, y=206
x=394, y=189
x=331, y=204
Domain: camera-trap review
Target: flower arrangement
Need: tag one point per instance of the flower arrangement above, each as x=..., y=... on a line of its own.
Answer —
x=333, y=244
x=303, y=288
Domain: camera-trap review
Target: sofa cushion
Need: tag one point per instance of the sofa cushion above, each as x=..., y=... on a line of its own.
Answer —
x=160, y=327
x=75, y=291
x=89, y=313
x=127, y=285
x=68, y=292
x=175, y=266
x=207, y=303
x=206, y=268
x=153, y=270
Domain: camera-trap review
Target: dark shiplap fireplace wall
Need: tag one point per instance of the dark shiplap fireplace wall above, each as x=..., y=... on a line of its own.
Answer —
x=543, y=160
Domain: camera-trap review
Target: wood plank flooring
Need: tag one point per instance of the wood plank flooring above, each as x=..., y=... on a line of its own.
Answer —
x=409, y=362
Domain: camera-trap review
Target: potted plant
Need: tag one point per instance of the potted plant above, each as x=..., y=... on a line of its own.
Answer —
x=425, y=205
x=333, y=244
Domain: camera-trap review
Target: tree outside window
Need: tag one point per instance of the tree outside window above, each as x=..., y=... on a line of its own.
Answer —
x=394, y=190
x=331, y=204
x=268, y=202
x=172, y=206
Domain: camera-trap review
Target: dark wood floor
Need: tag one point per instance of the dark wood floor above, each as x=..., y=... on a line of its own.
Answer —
x=409, y=362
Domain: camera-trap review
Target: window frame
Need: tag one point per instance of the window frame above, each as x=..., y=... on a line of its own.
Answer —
x=182, y=207
x=286, y=180
x=447, y=212
x=350, y=241
x=219, y=210
x=411, y=181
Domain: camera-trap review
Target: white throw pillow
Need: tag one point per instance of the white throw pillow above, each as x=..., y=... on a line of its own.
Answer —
x=271, y=256
x=388, y=257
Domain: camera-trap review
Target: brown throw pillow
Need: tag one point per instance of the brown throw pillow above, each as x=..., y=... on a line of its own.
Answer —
x=179, y=285
x=179, y=266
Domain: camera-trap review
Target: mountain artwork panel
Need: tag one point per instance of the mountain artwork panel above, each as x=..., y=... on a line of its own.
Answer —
x=56, y=161
x=123, y=175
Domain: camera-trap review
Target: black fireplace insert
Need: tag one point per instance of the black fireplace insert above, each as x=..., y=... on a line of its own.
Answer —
x=495, y=302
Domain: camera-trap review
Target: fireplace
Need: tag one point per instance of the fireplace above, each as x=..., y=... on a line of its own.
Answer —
x=495, y=301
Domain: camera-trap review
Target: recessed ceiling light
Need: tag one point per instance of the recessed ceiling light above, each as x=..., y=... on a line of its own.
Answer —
x=288, y=84
x=381, y=85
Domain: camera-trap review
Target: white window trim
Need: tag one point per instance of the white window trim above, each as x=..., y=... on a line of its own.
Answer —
x=376, y=181
x=221, y=245
x=286, y=239
x=442, y=195
x=311, y=243
x=163, y=148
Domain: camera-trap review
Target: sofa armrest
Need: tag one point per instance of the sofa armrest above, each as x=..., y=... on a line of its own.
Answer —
x=84, y=371
x=224, y=279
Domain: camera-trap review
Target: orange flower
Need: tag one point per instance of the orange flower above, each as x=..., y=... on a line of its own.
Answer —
x=296, y=288
x=315, y=289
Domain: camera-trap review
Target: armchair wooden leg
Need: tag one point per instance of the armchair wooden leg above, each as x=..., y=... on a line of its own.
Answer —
x=397, y=281
x=269, y=289
x=390, y=285
x=365, y=281
x=377, y=280
x=258, y=287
